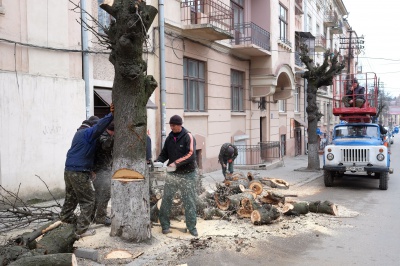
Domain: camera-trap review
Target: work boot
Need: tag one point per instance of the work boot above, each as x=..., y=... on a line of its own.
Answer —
x=106, y=221
x=194, y=232
x=166, y=231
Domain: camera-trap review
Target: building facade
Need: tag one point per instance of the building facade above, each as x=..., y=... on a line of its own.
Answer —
x=231, y=69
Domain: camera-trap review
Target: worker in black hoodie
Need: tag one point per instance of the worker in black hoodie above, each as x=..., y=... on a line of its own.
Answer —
x=180, y=151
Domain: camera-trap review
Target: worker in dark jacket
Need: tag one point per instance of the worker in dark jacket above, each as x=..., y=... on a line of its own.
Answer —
x=180, y=151
x=354, y=95
x=78, y=174
x=102, y=182
x=227, y=156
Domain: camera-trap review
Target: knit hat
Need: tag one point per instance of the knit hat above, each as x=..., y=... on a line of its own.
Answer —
x=175, y=120
x=355, y=81
x=93, y=120
x=85, y=123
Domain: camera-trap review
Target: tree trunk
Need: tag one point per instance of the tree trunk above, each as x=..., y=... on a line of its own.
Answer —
x=313, y=117
x=130, y=216
x=296, y=208
x=60, y=259
x=131, y=90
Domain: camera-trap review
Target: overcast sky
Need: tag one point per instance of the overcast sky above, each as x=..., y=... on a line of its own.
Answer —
x=379, y=22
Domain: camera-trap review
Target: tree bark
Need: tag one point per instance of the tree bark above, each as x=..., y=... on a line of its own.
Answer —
x=296, y=208
x=131, y=90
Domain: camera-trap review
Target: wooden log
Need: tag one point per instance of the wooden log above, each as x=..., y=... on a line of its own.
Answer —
x=275, y=183
x=27, y=238
x=256, y=186
x=60, y=259
x=209, y=213
x=237, y=175
x=323, y=207
x=264, y=216
x=250, y=176
x=12, y=253
x=130, y=209
x=296, y=208
x=51, y=227
x=247, y=207
x=58, y=240
x=222, y=202
x=272, y=197
x=235, y=200
x=234, y=187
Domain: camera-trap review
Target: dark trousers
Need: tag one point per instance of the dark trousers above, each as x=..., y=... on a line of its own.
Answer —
x=102, y=187
x=186, y=183
x=78, y=190
x=229, y=166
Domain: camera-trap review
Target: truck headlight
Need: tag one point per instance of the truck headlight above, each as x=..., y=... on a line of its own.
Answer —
x=380, y=157
x=330, y=156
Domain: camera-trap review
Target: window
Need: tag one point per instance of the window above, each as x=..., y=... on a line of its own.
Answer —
x=297, y=100
x=282, y=105
x=283, y=24
x=103, y=17
x=309, y=22
x=237, y=90
x=238, y=13
x=194, y=85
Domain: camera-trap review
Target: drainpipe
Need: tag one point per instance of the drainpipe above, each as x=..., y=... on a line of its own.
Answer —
x=163, y=91
x=85, y=58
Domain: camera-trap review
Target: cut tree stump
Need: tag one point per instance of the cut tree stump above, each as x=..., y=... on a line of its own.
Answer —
x=265, y=216
x=60, y=259
x=323, y=207
x=129, y=198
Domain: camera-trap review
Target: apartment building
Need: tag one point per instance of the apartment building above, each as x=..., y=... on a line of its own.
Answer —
x=231, y=70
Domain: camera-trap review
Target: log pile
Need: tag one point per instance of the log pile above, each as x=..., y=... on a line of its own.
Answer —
x=51, y=244
x=257, y=199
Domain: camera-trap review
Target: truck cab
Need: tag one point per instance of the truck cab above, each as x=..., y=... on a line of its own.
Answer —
x=357, y=148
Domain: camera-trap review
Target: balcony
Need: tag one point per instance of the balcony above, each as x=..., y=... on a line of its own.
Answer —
x=299, y=7
x=250, y=39
x=209, y=20
x=338, y=28
x=330, y=19
x=320, y=43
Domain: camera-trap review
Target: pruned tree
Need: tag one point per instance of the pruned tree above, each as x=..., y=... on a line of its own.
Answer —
x=317, y=76
x=131, y=90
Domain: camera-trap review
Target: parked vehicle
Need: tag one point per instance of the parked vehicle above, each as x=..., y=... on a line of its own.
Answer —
x=358, y=146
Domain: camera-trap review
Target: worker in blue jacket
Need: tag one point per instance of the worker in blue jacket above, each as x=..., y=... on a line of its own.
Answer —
x=78, y=173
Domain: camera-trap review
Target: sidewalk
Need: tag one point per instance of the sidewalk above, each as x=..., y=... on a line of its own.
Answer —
x=291, y=169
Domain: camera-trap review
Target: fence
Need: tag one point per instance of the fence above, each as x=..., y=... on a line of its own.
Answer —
x=265, y=151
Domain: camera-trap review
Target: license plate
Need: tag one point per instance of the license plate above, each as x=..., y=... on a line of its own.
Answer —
x=355, y=169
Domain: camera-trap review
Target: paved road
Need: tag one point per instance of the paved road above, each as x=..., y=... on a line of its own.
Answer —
x=370, y=238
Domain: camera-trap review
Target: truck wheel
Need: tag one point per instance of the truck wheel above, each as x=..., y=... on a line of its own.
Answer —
x=328, y=178
x=383, y=181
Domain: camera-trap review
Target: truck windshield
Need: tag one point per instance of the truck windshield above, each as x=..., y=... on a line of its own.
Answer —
x=356, y=131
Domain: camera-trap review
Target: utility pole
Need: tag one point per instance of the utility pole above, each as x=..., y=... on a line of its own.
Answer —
x=351, y=44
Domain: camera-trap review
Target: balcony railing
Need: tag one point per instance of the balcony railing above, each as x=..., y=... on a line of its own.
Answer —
x=266, y=151
x=320, y=43
x=214, y=12
x=330, y=19
x=250, y=33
